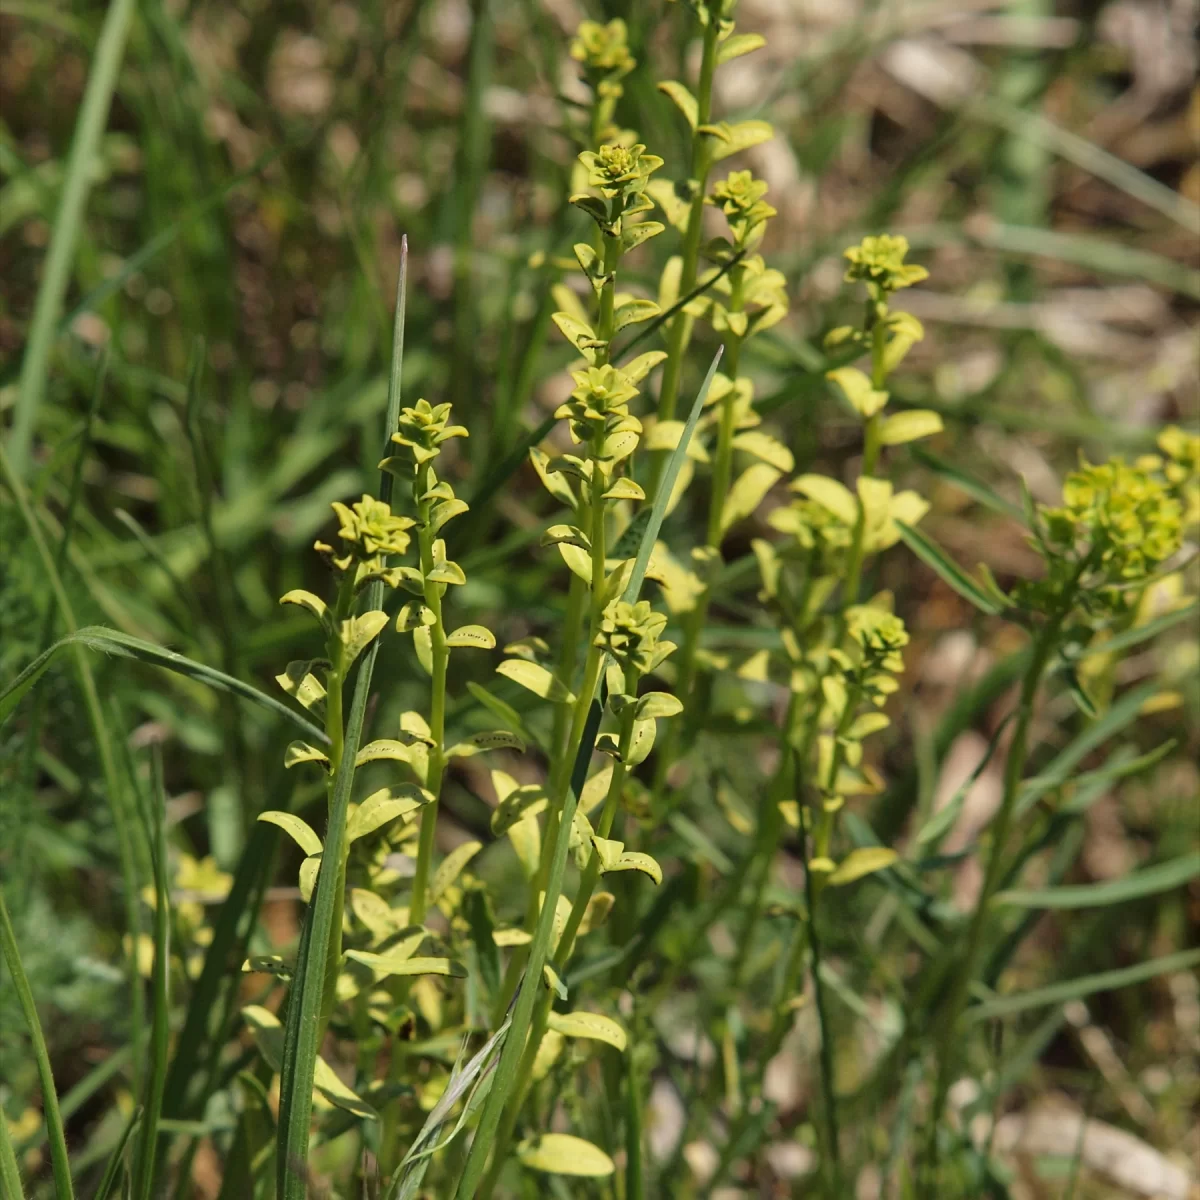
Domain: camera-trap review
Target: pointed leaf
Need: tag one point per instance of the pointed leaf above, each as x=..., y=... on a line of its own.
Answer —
x=383, y=750
x=562, y=1154
x=393, y=964
x=302, y=752
x=452, y=866
x=300, y=831
x=909, y=426
x=932, y=555
x=684, y=100
x=866, y=860
x=475, y=637
x=537, y=679
x=383, y=806
x=589, y=1025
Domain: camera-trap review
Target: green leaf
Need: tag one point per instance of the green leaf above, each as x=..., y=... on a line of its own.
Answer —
x=738, y=44
x=770, y=450
x=632, y=860
x=562, y=1154
x=657, y=705
x=738, y=137
x=537, y=679
x=297, y=829
x=857, y=389
x=302, y=752
x=866, y=860
x=589, y=1025
x=910, y=426
x=491, y=739
x=472, y=636
x=1148, y=882
x=830, y=495
x=747, y=493
x=387, y=965
x=446, y=511
x=383, y=750
x=932, y=555
x=684, y=100
x=1087, y=985
x=634, y=311
x=383, y=806
x=501, y=711
x=521, y=802
x=450, y=869
x=58, y=1145
x=302, y=685
x=123, y=645
x=314, y=604
x=1142, y=633
x=974, y=488
x=633, y=236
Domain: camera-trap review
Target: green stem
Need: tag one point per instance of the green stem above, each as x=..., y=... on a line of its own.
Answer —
x=832, y=1164
x=968, y=962
x=54, y=1126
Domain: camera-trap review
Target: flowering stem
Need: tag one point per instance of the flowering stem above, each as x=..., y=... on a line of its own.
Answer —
x=440, y=656
x=681, y=327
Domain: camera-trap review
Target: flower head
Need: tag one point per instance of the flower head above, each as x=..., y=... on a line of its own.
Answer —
x=740, y=197
x=423, y=428
x=1122, y=520
x=370, y=529
x=879, y=263
x=619, y=170
x=631, y=633
x=603, y=50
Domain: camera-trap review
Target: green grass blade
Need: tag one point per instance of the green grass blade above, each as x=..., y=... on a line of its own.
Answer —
x=966, y=482
x=1087, y=985
x=1123, y=713
x=93, y=116
x=54, y=1126
x=933, y=556
x=531, y=983
x=160, y=1031
x=10, y=1175
x=112, y=1172
x=1143, y=633
x=302, y=1031
x=1161, y=878
x=124, y=645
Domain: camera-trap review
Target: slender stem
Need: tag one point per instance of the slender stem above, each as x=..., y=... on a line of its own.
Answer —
x=832, y=1165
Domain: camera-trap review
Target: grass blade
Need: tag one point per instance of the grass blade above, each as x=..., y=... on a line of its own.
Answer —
x=10, y=1175
x=1142, y=633
x=975, y=488
x=160, y=1030
x=124, y=645
x=1161, y=878
x=531, y=983
x=112, y=1172
x=54, y=1126
x=933, y=556
x=1087, y=985
x=302, y=1031
x=93, y=115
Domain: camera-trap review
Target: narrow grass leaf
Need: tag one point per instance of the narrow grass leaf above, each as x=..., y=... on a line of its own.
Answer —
x=964, y=481
x=1150, y=882
x=116, y=1160
x=933, y=556
x=54, y=1126
x=68, y=222
x=1087, y=985
x=1142, y=633
x=124, y=645
x=160, y=1027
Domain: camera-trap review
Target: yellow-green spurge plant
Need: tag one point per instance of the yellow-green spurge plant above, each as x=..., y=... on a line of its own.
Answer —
x=479, y=1018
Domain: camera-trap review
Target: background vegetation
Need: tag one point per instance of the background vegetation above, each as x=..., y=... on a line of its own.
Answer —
x=225, y=236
